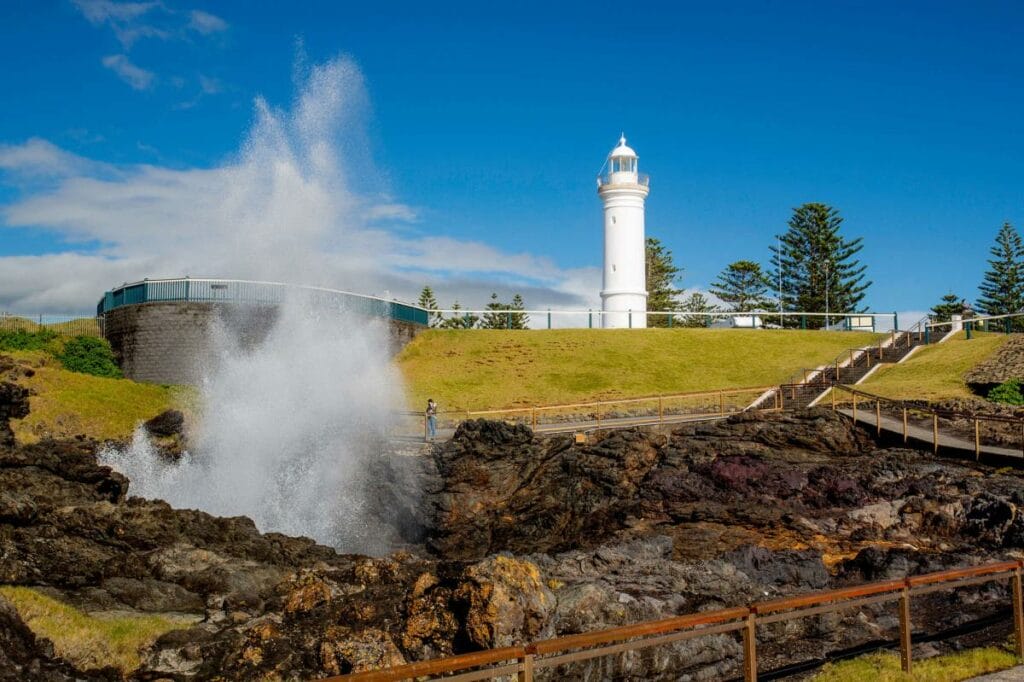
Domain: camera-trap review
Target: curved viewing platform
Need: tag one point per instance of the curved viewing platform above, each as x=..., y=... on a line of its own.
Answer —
x=189, y=290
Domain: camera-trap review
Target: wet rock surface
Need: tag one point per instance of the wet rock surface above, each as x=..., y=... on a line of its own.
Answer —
x=514, y=538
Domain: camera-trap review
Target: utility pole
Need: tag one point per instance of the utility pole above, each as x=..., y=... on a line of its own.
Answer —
x=782, y=320
x=826, y=294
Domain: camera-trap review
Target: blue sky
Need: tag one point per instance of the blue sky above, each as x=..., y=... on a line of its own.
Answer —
x=471, y=134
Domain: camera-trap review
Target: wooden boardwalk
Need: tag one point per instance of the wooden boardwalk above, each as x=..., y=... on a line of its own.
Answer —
x=920, y=437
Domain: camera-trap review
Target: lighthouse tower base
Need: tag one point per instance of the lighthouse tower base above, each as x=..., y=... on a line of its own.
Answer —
x=624, y=310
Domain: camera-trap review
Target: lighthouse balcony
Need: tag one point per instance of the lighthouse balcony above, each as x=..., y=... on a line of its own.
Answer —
x=621, y=178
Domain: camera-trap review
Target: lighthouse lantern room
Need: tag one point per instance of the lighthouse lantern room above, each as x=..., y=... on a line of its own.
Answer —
x=623, y=191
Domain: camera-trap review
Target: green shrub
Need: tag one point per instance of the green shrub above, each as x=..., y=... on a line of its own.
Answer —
x=89, y=355
x=1007, y=392
x=22, y=339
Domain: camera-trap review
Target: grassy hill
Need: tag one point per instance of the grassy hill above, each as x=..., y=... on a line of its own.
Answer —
x=485, y=369
x=67, y=403
x=935, y=372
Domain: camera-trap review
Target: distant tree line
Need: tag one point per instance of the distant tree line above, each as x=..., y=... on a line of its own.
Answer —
x=1001, y=288
x=813, y=269
x=499, y=315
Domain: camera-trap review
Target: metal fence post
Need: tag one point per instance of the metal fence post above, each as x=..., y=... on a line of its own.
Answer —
x=630, y=318
x=549, y=318
x=590, y=318
x=927, y=335
x=905, y=640
x=508, y=321
x=895, y=321
x=803, y=322
x=967, y=328
x=670, y=316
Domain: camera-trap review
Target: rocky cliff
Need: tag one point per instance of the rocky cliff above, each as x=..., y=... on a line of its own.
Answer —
x=518, y=538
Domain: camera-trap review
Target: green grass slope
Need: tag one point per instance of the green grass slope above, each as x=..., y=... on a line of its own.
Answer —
x=67, y=403
x=91, y=641
x=935, y=372
x=493, y=369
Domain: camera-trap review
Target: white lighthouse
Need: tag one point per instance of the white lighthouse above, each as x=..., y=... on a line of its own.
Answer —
x=623, y=190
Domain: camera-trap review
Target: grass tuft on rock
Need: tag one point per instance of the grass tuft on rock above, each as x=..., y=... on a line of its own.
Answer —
x=885, y=667
x=935, y=372
x=493, y=369
x=91, y=641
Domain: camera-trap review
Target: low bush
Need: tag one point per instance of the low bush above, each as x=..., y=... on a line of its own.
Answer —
x=1008, y=393
x=21, y=339
x=83, y=354
x=89, y=355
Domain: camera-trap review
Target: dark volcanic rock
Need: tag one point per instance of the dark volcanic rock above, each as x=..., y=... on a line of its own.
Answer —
x=167, y=423
x=525, y=538
x=13, y=405
x=504, y=490
x=1005, y=364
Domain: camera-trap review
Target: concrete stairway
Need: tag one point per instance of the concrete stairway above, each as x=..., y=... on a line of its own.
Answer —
x=849, y=368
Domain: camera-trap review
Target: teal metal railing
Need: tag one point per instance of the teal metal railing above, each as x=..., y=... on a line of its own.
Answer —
x=189, y=290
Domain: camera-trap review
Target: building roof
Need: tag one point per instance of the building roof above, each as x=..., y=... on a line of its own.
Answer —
x=623, y=150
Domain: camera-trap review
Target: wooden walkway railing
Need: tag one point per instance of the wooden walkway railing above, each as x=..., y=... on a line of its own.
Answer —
x=524, y=660
x=902, y=411
x=614, y=413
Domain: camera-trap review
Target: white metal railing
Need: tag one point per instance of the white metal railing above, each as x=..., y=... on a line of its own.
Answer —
x=642, y=179
x=755, y=318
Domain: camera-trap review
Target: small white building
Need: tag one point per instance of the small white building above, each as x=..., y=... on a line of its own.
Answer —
x=623, y=191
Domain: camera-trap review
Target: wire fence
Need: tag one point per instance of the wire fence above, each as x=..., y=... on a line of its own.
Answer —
x=61, y=325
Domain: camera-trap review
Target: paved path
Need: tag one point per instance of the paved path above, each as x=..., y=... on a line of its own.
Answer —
x=1011, y=675
x=922, y=436
x=590, y=425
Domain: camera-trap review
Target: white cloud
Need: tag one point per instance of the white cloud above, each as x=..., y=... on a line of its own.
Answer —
x=135, y=76
x=38, y=158
x=206, y=23
x=99, y=12
x=284, y=208
x=129, y=21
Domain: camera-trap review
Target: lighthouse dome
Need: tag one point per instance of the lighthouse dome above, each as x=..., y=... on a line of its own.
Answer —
x=623, y=150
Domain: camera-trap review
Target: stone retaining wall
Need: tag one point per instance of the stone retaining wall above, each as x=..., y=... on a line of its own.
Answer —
x=170, y=343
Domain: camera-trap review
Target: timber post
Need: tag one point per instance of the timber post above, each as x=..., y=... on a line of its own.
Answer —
x=750, y=648
x=1018, y=615
x=905, y=639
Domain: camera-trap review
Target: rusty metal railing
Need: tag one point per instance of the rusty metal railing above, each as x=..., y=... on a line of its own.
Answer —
x=522, y=661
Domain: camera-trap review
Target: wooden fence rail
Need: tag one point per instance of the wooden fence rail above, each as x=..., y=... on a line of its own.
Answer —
x=524, y=660
x=861, y=400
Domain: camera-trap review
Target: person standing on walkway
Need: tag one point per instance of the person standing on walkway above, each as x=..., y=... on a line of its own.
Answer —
x=431, y=418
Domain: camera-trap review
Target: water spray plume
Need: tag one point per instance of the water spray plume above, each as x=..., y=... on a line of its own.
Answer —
x=287, y=426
